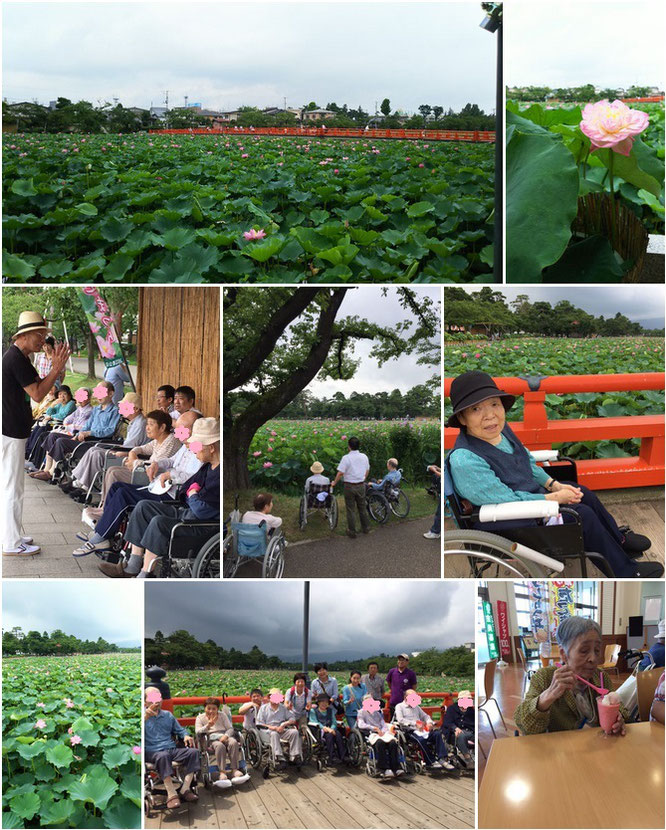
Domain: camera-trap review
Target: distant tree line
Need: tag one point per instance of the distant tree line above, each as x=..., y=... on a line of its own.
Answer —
x=489, y=308
x=181, y=650
x=420, y=400
x=57, y=642
x=571, y=94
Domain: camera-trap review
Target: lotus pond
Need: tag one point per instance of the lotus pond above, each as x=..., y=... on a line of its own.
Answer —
x=71, y=735
x=165, y=208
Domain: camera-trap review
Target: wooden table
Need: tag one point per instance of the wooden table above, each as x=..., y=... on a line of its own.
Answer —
x=578, y=778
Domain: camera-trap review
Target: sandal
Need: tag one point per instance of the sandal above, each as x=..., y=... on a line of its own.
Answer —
x=173, y=802
x=41, y=475
x=189, y=796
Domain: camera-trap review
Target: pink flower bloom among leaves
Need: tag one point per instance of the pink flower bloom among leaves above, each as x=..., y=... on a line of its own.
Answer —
x=613, y=126
x=40, y=724
x=40, y=704
x=256, y=454
x=75, y=739
x=253, y=234
x=136, y=750
x=268, y=464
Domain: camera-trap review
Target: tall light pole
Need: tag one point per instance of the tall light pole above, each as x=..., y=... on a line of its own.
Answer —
x=493, y=23
x=306, y=625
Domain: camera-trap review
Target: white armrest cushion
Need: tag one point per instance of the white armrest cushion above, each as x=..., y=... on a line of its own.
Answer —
x=545, y=455
x=540, y=509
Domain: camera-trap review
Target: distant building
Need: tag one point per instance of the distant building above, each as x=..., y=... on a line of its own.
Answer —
x=159, y=112
x=318, y=115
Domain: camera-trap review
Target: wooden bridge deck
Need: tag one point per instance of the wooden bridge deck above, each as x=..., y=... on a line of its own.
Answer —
x=642, y=510
x=330, y=799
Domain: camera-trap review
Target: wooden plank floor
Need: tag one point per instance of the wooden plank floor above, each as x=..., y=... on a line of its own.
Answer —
x=330, y=799
x=645, y=516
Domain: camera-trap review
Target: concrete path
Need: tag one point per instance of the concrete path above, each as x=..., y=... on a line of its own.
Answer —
x=394, y=550
x=81, y=365
x=53, y=520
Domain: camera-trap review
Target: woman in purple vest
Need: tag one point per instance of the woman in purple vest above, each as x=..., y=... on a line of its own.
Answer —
x=489, y=465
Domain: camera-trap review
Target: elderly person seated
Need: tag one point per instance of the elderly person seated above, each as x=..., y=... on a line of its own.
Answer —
x=62, y=406
x=376, y=731
x=160, y=727
x=162, y=443
x=458, y=726
x=557, y=699
x=657, y=708
x=216, y=726
x=262, y=506
x=151, y=522
x=420, y=728
x=275, y=723
x=490, y=465
x=101, y=425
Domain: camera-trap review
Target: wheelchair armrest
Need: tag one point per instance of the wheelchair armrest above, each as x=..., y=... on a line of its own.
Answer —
x=545, y=455
x=518, y=510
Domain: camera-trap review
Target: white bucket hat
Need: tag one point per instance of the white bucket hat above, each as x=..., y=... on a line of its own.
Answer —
x=30, y=321
x=206, y=431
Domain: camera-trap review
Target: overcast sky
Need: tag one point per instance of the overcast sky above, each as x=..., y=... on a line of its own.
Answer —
x=348, y=618
x=570, y=43
x=228, y=54
x=370, y=303
x=643, y=304
x=86, y=608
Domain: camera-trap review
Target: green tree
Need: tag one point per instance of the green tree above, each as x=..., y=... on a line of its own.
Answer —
x=437, y=112
x=386, y=106
x=425, y=110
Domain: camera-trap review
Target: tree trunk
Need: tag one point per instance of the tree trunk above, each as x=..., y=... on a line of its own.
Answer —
x=92, y=347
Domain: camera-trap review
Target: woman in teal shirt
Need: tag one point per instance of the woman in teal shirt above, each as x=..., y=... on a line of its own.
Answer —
x=352, y=697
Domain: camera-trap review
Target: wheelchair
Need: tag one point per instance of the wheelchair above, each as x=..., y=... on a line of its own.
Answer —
x=209, y=769
x=260, y=755
x=110, y=460
x=311, y=503
x=154, y=792
x=414, y=754
x=536, y=551
x=390, y=499
x=319, y=752
x=62, y=470
x=247, y=543
x=367, y=754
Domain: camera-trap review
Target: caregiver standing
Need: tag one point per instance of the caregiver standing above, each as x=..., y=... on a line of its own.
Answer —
x=20, y=384
x=489, y=465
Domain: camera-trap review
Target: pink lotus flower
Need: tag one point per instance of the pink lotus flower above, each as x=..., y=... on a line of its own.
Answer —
x=40, y=724
x=244, y=155
x=256, y=454
x=75, y=739
x=421, y=165
x=612, y=126
x=41, y=705
x=68, y=703
x=252, y=234
x=136, y=750
x=109, y=690
x=268, y=464
x=478, y=354
x=269, y=449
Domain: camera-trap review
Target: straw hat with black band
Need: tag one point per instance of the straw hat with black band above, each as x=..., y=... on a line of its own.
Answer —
x=30, y=321
x=471, y=388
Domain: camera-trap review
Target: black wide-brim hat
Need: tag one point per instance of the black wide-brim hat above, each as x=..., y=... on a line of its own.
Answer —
x=471, y=388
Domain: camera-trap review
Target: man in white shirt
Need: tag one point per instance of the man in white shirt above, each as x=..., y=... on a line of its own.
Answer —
x=354, y=468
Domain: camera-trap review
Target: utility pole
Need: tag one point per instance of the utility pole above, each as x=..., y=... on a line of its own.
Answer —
x=186, y=100
x=285, y=102
x=306, y=625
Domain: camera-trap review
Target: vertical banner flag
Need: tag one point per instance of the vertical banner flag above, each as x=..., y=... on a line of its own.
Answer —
x=561, y=603
x=101, y=324
x=538, y=597
x=491, y=639
x=503, y=628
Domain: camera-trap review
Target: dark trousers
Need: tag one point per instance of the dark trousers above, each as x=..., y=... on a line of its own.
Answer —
x=386, y=753
x=600, y=531
x=433, y=746
x=335, y=745
x=35, y=445
x=462, y=741
x=355, y=500
x=164, y=758
x=122, y=495
x=437, y=521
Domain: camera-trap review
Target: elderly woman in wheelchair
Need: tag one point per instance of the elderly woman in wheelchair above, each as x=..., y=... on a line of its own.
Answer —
x=162, y=730
x=490, y=466
x=217, y=736
x=278, y=734
x=255, y=536
x=380, y=747
x=318, y=498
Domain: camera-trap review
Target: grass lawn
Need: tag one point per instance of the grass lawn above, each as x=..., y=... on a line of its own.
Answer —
x=286, y=507
x=75, y=380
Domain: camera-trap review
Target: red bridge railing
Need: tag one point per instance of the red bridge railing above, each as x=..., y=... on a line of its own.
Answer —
x=538, y=433
x=335, y=132
x=446, y=698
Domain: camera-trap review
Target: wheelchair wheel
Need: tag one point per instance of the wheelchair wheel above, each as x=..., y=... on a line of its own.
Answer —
x=303, y=513
x=148, y=804
x=378, y=507
x=230, y=558
x=488, y=556
x=307, y=744
x=207, y=563
x=400, y=506
x=273, y=565
x=333, y=513
x=355, y=747
x=253, y=748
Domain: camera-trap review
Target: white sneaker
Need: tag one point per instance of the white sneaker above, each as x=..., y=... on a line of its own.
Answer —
x=222, y=783
x=21, y=550
x=26, y=540
x=431, y=535
x=240, y=779
x=388, y=773
x=436, y=765
x=399, y=772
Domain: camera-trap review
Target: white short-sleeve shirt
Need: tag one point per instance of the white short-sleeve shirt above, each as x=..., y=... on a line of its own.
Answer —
x=354, y=467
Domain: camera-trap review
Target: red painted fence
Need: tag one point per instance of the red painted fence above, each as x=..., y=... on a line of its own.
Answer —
x=538, y=433
x=446, y=698
x=334, y=132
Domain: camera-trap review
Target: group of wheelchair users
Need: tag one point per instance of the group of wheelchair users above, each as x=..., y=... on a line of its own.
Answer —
x=148, y=471
x=307, y=723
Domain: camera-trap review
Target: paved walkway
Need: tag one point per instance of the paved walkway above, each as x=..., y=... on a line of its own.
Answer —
x=53, y=520
x=394, y=550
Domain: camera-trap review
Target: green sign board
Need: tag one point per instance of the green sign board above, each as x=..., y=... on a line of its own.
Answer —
x=489, y=622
